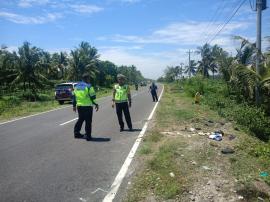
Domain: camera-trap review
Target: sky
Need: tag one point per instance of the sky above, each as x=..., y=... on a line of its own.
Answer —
x=150, y=34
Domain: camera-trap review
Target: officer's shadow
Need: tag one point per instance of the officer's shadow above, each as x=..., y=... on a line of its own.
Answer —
x=97, y=139
x=133, y=130
x=100, y=139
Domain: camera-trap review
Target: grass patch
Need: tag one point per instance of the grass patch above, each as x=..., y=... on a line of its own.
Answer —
x=176, y=154
x=15, y=106
x=145, y=149
x=157, y=177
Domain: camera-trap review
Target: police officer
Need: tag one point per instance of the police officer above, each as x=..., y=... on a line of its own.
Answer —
x=83, y=100
x=153, y=89
x=122, y=101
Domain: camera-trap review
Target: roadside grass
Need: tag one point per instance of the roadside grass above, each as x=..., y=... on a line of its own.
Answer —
x=14, y=107
x=196, y=161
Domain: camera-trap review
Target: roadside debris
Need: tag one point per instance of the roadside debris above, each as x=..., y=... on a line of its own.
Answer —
x=206, y=168
x=193, y=163
x=231, y=137
x=264, y=174
x=172, y=174
x=216, y=136
x=227, y=150
x=192, y=129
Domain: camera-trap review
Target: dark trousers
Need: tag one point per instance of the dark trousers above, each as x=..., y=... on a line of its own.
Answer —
x=120, y=108
x=85, y=114
x=154, y=96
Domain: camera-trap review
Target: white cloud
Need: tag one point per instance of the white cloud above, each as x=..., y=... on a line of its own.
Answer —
x=151, y=65
x=21, y=19
x=30, y=3
x=185, y=33
x=84, y=8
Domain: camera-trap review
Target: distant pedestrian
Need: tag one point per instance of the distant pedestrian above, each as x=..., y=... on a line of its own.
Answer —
x=122, y=101
x=136, y=86
x=84, y=97
x=153, y=89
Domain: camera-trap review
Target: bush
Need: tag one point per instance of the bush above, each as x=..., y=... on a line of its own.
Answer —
x=11, y=100
x=29, y=95
x=217, y=97
x=44, y=97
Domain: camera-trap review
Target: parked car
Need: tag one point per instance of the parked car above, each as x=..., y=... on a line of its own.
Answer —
x=63, y=92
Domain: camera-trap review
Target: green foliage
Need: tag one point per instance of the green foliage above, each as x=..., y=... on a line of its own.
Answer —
x=32, y=69
x=168, y=187
x=7, y=102
x=216, y=96
x=44, y=97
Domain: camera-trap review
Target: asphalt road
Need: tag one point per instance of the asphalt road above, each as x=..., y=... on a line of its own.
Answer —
x=41, y=161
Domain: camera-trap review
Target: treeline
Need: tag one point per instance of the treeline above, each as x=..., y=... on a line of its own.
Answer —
x=34, y=69
x=239, y=71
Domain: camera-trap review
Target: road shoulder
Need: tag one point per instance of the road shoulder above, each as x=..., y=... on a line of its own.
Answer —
x=178, y=162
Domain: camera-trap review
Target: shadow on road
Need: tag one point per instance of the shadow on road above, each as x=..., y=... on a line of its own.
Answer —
x=96, y=139
x=133, y=130
x=100, y=139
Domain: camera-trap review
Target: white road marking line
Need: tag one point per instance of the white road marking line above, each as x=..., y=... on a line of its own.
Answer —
x=121, y=174
x=33, y=115
x=67, y=122
x=99, y=189
x=83, y=200
x=41, y=113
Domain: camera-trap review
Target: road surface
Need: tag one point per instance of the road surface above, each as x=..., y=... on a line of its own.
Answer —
x=41, y=161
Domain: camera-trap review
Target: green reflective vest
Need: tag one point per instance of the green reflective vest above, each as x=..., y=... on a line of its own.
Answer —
x=83, y=95
x=121, y=93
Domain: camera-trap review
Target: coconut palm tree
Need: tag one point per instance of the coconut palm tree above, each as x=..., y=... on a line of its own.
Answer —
x=205, y=64
x=27, y=71
x=191, y=70
x=60, y=62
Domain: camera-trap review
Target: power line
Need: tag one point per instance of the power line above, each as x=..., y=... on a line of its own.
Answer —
x=227, y=21
x=252, y=5
x=215, y=17
x=219, y=25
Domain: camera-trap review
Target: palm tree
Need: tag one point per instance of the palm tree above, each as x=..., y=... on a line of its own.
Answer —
x=206, y=59
x=191, y=70
x=28, y=68
x=89, y=58
x=246, y=54
x=83, y=59
x=60, y=62
x=74, y=63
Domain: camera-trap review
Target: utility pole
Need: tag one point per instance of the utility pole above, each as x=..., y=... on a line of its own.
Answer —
x=189, y=64
x=260, y=5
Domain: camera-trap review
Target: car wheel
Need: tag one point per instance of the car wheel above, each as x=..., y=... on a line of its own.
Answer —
x=61, y=102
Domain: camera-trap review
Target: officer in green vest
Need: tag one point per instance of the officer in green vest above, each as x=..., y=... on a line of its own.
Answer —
x=84, y=97
x=122, y=102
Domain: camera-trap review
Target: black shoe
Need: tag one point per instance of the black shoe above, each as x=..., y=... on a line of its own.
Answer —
x=78, y=135
x=130, y=129
x=121, y=129
x=88, y=137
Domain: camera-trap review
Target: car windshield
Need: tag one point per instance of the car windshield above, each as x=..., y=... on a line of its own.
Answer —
x=64, y=86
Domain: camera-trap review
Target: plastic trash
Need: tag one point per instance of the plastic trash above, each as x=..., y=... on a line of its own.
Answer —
x=216, y=136
x=172, y=174
x=264, y=174
x=192, y=129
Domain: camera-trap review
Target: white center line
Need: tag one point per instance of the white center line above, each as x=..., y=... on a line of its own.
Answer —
x=17, y=119
x=67, y=122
